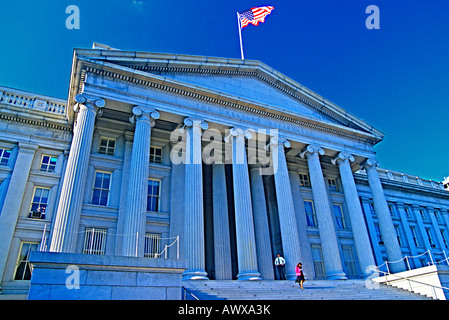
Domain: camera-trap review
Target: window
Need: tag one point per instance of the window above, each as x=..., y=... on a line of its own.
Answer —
x=407, y=212
x=48, y=163
x=341, y=224
x=378, y=234
x=154, y=187
x=398, y=234
x=304, y=180
x=318, y=261
x=39, y=203
x=429, y=236
x=391, y=208
x=310, y=214
x=350, y=262
x=152, y=245
x=94, y=241
x=4, y=156
x=415, y=236
x=107, y=146
x=443, y=235
x=24, y=268
x=437, y=216
x=423, y=214
x=155, y=155
x=332, y=184
x=101, y=188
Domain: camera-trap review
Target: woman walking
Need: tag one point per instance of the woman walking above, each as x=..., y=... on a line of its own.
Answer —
x=300, y=275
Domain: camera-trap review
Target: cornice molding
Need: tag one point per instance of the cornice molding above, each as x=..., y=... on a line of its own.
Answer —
x=110, y=71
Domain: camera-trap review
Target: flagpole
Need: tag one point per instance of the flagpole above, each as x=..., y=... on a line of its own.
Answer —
x=240, y=35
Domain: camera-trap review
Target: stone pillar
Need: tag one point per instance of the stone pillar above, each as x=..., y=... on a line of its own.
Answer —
x=222, y=239
x=325, y=218
x=286, y=208
x=261, y=227
x=13, y=200
x=359, y=230
x=244, y=223
x=386, y=225
x=194, y=210
x=136, y=199
x=65, y=230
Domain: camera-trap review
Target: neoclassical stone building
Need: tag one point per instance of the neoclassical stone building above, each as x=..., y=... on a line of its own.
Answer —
x=123, y=169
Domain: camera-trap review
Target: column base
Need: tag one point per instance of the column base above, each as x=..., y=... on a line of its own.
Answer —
x=194, y=275
x=336, y=276
x=251, y=276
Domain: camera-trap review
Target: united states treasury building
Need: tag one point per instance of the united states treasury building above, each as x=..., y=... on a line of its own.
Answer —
x=93, y=176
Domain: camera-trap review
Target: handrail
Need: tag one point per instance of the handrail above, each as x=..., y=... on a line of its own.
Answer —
x=410, y=280
x=190, y=293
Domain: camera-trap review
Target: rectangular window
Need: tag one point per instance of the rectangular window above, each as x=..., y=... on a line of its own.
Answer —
x=107, y=146
x=101, y=188
x=332, y=184
x=318, y=261
x=391, y=208
x=310, y=213
x=423, y=214
x=95, y=241
x=350, y=262
x=304, y=180
x=152, y=245
x=429, y=236
x=48, y=163
x=154, y=188
x=341, y=224
x=398, y=235
x=378, y=234
x=407, y=212
x=4, y=156
x=155, y=155
x=443, y=235
x=39, y=203
x=415, y=236
x=23, y=266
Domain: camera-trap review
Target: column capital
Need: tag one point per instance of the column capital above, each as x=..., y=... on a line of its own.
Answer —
x=91, y=102
x=280, y=143
x=369, y=162
x=343, y=157
x=239, y=133
x=144, y=113
x=196, y=122
x=311, y=150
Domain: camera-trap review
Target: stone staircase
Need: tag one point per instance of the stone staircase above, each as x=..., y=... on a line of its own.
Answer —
x=288, y=290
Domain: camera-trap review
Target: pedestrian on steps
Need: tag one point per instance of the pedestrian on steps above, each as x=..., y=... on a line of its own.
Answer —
x=279, y=262
x=300, y=275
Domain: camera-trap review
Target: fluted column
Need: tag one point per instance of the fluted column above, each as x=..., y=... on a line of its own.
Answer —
x=386, y=225
x=244, y=223
x=328, y=235
x=261, y=226
x=65, y=231
x=222, y=241
x=359, y=230
x=13, y=199
x=286, y=208
x=194, y=210
x=136, y=199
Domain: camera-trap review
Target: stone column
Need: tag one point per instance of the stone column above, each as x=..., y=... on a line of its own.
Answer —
x=194, y=210
x=136, y=199
x=13, y=199
x=286, y=208
x=222, y=239
x=359, y=230
x=65, y=230
x=261, y=227
x=325, y=218
x=386, y=225
x=244, y=223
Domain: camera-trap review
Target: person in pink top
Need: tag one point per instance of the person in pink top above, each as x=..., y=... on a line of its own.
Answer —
x=300, y=275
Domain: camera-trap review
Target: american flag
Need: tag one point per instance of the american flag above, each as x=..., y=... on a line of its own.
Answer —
x=254, y=15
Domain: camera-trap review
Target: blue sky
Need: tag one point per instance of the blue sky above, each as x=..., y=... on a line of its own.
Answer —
x=394, y=78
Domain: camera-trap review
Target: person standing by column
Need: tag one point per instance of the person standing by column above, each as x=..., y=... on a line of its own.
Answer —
x=279, y=262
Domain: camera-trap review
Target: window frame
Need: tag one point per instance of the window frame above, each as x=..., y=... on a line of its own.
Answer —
x=48, y=164
x=101, y=189
x=19, y=262
x=39, y=203
x=158, y=196
x=107, y=148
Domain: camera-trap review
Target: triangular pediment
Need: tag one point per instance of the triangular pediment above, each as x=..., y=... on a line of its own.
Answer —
x=242, y=80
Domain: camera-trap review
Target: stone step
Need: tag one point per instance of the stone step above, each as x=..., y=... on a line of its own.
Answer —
x=288, y=290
